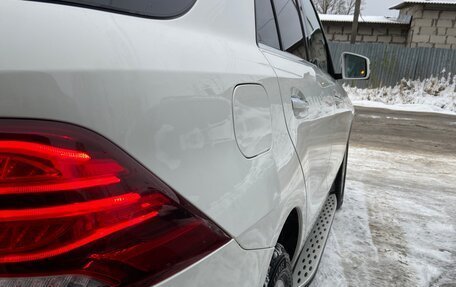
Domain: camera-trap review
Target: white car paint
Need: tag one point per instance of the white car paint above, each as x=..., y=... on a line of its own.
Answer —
x=228, y=266
x=252, y=119
x=162, y=90
x=306, y=82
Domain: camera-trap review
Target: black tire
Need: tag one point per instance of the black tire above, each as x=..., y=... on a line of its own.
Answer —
x=279, y=269
x=340, y=181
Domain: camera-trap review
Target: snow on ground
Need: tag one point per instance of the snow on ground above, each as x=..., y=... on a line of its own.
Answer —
x=430, y=95
x=397, y=226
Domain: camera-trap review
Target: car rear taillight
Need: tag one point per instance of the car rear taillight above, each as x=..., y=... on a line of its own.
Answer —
x=75, y=210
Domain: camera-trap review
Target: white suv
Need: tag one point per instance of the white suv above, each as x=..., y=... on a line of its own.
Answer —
x=168, y=143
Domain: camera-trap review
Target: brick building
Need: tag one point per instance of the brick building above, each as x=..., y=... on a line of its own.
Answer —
x=372, y=29
x=433, y=23
x=420, y=24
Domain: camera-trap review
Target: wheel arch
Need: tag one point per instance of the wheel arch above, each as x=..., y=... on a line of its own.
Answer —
x=291, y=232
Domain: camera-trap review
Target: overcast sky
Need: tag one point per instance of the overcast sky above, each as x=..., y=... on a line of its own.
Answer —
x=380, y=7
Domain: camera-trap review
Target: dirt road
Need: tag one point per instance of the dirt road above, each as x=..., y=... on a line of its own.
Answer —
x=407, y=131
x=398, y=224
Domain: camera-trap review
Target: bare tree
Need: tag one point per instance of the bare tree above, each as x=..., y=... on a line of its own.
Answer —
x=346, y=7
x=350, y=6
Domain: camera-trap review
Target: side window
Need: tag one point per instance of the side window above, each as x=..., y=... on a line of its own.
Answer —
x=265, y=24
x=290, y=27
x=317, y=47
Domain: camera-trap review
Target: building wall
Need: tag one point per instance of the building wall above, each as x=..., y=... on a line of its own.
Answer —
x=431, y=28
x=367, y=33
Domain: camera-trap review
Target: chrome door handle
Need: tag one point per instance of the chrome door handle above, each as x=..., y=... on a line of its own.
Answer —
x=300, y=106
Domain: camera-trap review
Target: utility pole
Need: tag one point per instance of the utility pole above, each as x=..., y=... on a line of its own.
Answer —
x=355, y=21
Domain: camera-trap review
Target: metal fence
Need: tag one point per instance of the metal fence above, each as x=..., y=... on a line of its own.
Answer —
x=391, y=63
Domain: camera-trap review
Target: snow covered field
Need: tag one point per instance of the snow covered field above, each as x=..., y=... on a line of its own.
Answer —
x=430, y=95
x=398, y=223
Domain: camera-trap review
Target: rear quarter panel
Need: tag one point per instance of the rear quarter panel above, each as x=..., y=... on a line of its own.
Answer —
x=162, y=91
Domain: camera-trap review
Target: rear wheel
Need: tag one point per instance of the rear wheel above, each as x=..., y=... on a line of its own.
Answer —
x=279, y=273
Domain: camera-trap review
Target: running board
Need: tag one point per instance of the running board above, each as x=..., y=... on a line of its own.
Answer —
x=309, y=259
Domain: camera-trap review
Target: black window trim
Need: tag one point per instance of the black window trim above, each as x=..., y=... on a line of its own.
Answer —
x=302, y=41
x=301, y=20
x=331, y=70
x=276, y=24
x=117, y=11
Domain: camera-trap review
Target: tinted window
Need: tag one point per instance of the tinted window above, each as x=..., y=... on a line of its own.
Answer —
x=150, y=8
x=289, y=24
x=265, y=24
x=315, y=38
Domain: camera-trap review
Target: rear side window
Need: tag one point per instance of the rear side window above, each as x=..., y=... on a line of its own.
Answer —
x=289, y=24
x=266, y=26
x=147, y=8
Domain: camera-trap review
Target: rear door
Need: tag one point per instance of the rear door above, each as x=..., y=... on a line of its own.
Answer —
x=343, y=111
x=319, y=55
x=305, y=92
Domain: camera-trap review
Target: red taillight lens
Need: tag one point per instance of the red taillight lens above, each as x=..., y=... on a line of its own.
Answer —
x=73, y=205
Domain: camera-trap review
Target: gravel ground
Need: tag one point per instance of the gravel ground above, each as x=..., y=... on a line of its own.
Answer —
x=398, y=224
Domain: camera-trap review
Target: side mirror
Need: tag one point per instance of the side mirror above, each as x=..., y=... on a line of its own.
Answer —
x=355, y=67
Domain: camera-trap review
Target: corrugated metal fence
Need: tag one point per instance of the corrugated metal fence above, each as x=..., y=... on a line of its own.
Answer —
x=390, y=63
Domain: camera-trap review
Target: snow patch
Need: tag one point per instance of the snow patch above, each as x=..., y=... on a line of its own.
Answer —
x=430, y=95
x=397, y=225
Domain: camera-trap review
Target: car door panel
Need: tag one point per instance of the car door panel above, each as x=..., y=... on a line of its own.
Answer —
x=342, y=115
x=309, y=125
x=341, y=124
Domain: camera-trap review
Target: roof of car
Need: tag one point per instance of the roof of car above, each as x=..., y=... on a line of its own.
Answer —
x=364, y=19
x=432, y=2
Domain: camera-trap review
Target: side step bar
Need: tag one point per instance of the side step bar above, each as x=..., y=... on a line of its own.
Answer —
x=309, y=259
